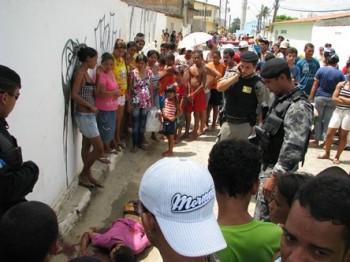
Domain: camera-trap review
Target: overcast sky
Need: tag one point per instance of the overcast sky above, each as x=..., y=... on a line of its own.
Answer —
x=302, y=7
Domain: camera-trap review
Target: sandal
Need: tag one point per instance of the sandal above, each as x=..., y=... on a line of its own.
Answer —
x=113, y=151
x=104, y=160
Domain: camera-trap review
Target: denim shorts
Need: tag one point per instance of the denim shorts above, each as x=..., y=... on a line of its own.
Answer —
x=106, y=122
x=169, y=128
x=87, y=124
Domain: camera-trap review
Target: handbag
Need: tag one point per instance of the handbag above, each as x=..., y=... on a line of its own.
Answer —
x=152, y=122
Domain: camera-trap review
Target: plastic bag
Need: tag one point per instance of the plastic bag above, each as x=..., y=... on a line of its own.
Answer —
x=152, y=123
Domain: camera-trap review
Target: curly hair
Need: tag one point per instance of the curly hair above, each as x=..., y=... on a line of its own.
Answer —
x=235, y=166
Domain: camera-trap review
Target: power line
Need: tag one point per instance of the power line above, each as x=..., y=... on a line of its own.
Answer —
x=313, y=10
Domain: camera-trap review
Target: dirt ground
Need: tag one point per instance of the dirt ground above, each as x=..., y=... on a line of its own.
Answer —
x=121, y=185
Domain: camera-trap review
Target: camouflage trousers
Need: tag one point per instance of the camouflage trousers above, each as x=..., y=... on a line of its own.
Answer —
x=261, y=211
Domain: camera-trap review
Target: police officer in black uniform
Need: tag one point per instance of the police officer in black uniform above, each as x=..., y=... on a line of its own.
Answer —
x=17, y=178
x=244, y=95
x=284, y=135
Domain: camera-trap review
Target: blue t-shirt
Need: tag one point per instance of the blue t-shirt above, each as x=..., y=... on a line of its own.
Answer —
x=308, y=69
x=295, y=71
x=329, y=77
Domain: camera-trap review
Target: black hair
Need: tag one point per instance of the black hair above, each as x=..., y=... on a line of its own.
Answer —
x=152, y=52
x=289, y=184
x=84, y=259
x=198, y=52
x=235, y=166
x=182, y=51
x=327, y=197
x=28, y=231
x=9, y=79
x=123, y=254
x=131, y=44
x=217, y=52
x=292, y=50
x=141, y=57
x=171, y=46
x=169, y=56
x=84, y=52
x=333, y=60
x=161, y=59
x=165, y=45
x=106, y=56
x=268, y=55
x=308, y=45
x=229, y=51
x=119, y=43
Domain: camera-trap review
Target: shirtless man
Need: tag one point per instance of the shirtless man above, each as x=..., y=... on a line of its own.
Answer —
x=196, y=98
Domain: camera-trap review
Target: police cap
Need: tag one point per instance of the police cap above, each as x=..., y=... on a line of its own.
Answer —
x=274, y=67
x=249, y=57
x=10, y=76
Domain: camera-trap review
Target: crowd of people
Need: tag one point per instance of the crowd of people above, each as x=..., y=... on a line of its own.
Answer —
x=262, y=99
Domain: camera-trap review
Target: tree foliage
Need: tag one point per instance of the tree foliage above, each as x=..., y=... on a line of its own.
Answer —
x=281, y=18
x=235, y=25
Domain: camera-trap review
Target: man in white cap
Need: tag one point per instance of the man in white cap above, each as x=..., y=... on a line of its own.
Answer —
x=242, y=48
x=176, y=206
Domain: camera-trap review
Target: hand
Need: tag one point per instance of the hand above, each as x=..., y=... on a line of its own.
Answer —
x=93, y=109
x=99, y=70
x=269, y=186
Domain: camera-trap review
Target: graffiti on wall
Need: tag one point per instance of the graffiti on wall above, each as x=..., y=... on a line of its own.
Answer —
x=106, y=33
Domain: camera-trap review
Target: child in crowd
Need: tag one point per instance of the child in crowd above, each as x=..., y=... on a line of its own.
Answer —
x=283, y=195
x=181, y=92
x=291, y=55
x=215, y=99
x=167, y=76
x=170, y=112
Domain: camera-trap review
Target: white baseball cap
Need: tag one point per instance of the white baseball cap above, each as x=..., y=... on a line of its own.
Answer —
x=180, y=194
x=243, y=44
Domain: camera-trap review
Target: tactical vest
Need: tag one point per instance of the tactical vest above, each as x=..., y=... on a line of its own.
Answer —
x=272, y=133
x=240, y=99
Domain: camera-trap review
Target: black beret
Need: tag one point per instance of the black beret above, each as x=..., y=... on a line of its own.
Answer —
x=8, y=75
x=274, y=67
x=249, y=57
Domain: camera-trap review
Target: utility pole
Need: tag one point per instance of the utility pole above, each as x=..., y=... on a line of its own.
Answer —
x=226, y=11
x=244, y=13
x=220, y=12
x=274, y=16
x=205, y=16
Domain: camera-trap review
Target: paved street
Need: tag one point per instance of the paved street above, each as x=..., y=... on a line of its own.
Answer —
x=122, y=184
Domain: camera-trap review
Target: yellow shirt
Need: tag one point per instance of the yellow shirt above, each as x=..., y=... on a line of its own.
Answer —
x=121, y=74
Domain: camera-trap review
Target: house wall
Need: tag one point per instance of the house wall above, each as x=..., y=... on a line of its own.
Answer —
x=38, y=39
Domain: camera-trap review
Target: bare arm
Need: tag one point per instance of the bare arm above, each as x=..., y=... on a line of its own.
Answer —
x=338, y=99
x=85, y=241
x=77, y=83
x=313, y=89
x=225, y=83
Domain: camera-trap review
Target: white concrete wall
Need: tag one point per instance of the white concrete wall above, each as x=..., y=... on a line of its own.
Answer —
x=36, y=40
x=338, y=36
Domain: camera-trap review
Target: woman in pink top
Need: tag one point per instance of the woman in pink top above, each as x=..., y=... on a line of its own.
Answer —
x=107, y=103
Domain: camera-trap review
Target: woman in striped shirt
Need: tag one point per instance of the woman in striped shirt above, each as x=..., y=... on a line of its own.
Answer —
x=340, y=118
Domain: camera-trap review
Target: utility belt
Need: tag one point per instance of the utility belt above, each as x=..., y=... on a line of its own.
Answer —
x=236, y=120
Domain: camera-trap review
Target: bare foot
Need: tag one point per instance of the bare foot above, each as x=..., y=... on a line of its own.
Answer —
x=185, y=135
x=313, y=143
x=167, y=153
x=212, y=128
x=133, y=149
x=336, y=161
x=144, y=146
x=323, y=156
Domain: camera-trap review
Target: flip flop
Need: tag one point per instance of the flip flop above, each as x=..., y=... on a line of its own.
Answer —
x=114, y=151
x=104, y=160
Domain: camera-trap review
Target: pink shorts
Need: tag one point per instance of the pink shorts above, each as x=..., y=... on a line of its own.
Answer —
x=198, y=103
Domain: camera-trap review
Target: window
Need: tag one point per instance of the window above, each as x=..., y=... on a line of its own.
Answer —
x=204, y=13
x=283, y=31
